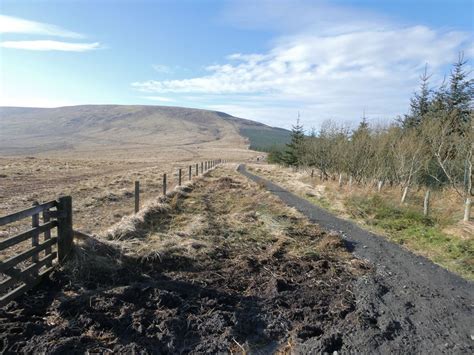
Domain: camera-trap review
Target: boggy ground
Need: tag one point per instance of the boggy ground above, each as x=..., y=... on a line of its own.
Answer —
x=219, y=266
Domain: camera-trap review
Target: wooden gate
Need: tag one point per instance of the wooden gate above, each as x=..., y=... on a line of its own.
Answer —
x=24, y=269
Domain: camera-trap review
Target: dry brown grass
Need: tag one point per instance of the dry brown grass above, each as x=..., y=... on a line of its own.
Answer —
x=222, y=212
x=445, y=205
x=444, y=238
x=102, y=190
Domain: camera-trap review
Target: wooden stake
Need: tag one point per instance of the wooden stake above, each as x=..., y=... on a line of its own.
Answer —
x=137, y=196
x=379, y=185
x=404, y=195
x=164, y=184
x=467, y=209
x=426, y=204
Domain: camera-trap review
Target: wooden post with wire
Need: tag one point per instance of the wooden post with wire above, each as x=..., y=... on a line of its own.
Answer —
x=164, y=184
x=137, y=196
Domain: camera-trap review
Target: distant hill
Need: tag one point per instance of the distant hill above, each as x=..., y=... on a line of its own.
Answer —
x=126, y=129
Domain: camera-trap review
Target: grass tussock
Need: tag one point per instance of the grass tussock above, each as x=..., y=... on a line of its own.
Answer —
x=222, y=216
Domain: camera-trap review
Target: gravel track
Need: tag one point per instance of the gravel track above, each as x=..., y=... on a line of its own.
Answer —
x=412, y=304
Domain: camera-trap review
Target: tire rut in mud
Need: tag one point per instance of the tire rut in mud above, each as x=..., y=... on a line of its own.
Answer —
x=257, y=304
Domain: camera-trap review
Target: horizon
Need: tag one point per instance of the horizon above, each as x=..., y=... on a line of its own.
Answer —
x=263, y=61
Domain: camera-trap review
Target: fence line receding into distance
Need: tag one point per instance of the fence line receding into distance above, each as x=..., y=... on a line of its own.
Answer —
x=25, y=267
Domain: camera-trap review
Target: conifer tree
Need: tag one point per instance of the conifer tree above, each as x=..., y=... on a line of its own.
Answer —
x=294, y=149
x=460, y=96
x=419, y=103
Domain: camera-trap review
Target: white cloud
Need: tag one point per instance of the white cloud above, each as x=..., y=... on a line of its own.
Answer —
x=329, y=61
x=10, y=24
x=48, y=45
x=16, y=25
x=325, y=76
x=158, y=98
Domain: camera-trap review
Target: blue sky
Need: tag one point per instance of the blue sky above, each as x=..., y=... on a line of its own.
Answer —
x=262, y=60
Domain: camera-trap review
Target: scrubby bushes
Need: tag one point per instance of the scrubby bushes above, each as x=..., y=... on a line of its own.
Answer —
x=430, y=147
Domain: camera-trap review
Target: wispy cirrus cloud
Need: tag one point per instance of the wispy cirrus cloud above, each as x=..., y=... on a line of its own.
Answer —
x=48, y=45
x=15, y=25
x=10, y=24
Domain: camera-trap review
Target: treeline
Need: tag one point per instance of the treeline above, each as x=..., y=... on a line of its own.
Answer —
x=430, y=147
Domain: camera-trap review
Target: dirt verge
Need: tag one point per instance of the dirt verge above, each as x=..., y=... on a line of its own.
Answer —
x=410, y=304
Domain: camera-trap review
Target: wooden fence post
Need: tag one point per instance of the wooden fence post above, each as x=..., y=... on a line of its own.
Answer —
x=35, y=238
x=404, y=195
x=190, y=173
x=65, y=231
x=179, y=177
x=379, y=185
x=197, y=169
x=137, y=196
x=467, y=209
x=205, y=165
x=426, y=204
x=164, y=184
x=47, y=235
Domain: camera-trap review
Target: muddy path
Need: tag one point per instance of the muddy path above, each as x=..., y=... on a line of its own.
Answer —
x=227, y=268
x=419, y=306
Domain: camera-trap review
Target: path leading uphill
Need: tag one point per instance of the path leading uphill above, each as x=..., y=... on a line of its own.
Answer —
x=419, y=306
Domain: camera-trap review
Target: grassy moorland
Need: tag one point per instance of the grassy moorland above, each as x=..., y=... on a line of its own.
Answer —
x=95, y=153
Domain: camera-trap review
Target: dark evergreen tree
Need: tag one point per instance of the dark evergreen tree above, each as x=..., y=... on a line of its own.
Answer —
x=419, y=103
x=294, y=149
x=460, y=96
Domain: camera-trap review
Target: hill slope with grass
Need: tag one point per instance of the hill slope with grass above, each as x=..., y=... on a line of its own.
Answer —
x=125, y=129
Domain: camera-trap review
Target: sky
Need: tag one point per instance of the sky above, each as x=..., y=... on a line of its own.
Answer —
x=261, y=60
